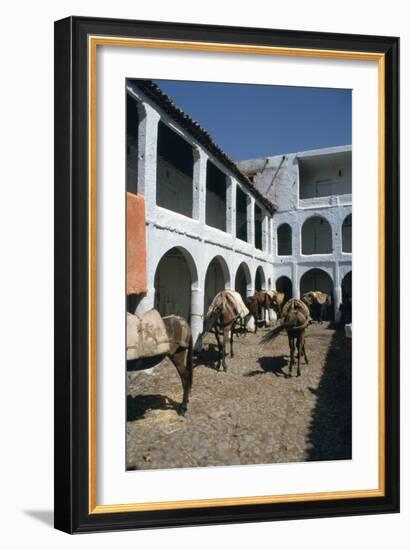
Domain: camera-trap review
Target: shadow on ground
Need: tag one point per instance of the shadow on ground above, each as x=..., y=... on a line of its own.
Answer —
x=330, y=434
x=208, y=357
x=270, y=365
x=137, y=406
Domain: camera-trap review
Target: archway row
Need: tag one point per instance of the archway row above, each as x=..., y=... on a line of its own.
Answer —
x=316, y=236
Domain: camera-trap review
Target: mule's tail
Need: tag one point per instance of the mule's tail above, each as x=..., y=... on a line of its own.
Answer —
x=271, y=335
x=189, y=364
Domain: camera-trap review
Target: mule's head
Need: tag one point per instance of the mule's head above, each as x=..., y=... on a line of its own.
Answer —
x=296, y=318
x=212, y=319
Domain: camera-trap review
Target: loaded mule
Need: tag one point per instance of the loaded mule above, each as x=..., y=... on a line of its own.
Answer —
x=225, y=311
x=295, y=319
x=154, y=336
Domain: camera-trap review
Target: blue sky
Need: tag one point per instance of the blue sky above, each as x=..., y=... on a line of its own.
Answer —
x=250, y=121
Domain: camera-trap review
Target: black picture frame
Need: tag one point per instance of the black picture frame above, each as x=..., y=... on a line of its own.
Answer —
x=72, y=466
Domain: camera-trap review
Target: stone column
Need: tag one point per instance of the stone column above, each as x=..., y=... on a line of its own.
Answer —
x=231, y=206
x=296, y=238
x=272, y=238
x=250, y=214
x=265, y=232
x=196, y=321
x=147, y=303
x=295, y=282
x=336, y=228
x=199, y=185
x=147, y=157
x=337, y=290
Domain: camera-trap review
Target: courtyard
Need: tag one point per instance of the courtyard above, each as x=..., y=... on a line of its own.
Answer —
x=252, y=414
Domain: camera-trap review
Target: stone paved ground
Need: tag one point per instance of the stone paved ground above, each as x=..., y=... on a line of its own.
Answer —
x=252, y=414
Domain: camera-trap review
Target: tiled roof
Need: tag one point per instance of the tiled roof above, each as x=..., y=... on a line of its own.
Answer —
x=154, y=92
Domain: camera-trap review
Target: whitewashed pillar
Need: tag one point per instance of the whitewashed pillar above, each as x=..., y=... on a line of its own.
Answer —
x=296, y=239
x=250, y=217
x=147, y=303
x=231, y=206
x=295, y=282
x=199, y=182
x=337, y=291
x=147, y=156
x=197, y=320
x=272, y=238
x=265, y=232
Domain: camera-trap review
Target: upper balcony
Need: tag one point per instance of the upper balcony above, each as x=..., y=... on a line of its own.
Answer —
x=325, y=177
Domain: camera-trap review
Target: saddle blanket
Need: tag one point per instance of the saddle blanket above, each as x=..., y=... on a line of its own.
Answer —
x=231, y=300
x=319, y=297
x=146, y=335
x=296, y=304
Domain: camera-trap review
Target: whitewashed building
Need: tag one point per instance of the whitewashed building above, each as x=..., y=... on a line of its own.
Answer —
x=312, y=228
x=281, y=222
x=208, y=227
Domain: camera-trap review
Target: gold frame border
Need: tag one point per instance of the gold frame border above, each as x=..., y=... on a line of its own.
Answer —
x=93, y=42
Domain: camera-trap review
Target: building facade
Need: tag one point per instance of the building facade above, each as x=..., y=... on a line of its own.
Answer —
x=312, y=228
x=281, y=222
x=208, y=227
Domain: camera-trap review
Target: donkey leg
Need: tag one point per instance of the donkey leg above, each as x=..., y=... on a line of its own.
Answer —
x=224, y=345
x=304, y=350
x=231, y=338
x=218, y=366
x=299, y=344
x=292, y=354
x=179, y=361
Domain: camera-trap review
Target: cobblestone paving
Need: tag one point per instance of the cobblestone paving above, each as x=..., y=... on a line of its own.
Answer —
x=252, y=414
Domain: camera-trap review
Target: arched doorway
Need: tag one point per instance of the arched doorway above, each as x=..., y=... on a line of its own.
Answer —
x=243, y=280
x=284, y=284
x=174, y=278
x=260, y=282
x=347, y=234
x=317, y=279
x=347, y=287
x=316, y=236
x=216, y=279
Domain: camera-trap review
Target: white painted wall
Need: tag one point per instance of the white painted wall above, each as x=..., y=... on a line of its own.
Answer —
x=279, y=179
x=199, y=242
x=325, y=175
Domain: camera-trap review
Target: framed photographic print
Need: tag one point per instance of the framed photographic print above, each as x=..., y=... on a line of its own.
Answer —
x=226, y=274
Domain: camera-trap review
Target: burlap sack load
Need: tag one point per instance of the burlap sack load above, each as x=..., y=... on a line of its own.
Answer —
x=228, y=300
x=146, y=335
x=240, y=307
x=319, y=297
x=297, y=304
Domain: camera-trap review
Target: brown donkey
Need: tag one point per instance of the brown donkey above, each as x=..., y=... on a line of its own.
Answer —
x=226, y=309
x=152, y=336
x=295, y=318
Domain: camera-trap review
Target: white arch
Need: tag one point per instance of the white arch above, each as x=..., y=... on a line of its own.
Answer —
x=224, y=267
x=347, y=234
x=243, y=266
x=261, y=271
x=196, y=295
x=284, y=241
x=312, y=242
